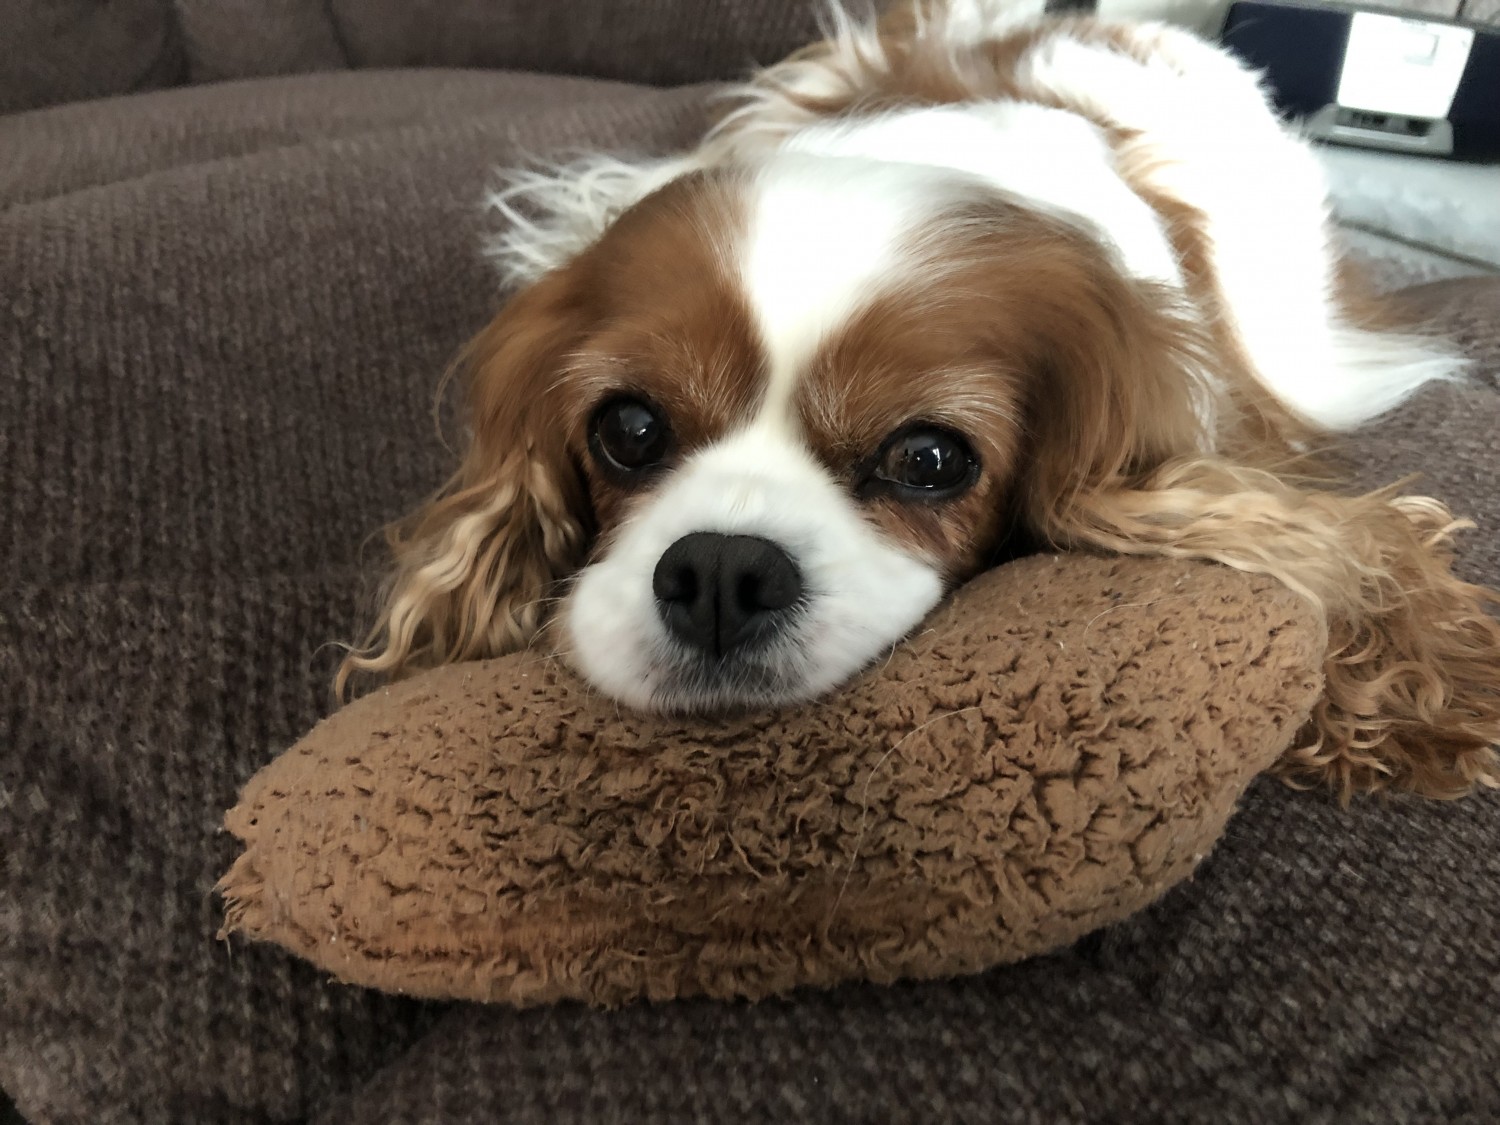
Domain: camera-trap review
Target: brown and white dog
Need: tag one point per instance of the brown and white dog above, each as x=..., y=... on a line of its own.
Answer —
x=941, y=285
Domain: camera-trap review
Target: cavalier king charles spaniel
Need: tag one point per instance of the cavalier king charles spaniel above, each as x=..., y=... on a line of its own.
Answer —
x=947, y=286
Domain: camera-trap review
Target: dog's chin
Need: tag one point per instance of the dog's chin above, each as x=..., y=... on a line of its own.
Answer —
x=724, y=688
x=666, y=678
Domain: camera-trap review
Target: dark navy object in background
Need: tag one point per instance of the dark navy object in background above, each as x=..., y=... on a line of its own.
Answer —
x=1301, y=51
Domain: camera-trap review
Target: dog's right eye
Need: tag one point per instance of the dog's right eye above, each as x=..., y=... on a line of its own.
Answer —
x=629, y=435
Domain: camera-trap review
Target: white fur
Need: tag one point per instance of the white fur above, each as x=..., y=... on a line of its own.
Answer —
x=862, y=593
x=971, y=21
x=552, y=213
x=1046, y=158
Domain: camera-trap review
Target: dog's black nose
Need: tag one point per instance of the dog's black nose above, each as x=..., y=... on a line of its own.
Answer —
x=718, y=591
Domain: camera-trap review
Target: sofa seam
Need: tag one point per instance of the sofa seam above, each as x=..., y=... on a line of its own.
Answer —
x=340, y=38
x=457, y=122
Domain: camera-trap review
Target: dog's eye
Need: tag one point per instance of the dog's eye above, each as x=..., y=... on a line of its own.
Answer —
x=928, y=460
x=628, y=435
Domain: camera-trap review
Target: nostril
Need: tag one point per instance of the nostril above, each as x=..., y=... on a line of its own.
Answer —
x=676, y=578
x=765, y=578
x=677, y=584
x=748, y=593
x=779, y=585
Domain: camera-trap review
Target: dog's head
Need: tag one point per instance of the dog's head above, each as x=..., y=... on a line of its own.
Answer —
x=741, y=444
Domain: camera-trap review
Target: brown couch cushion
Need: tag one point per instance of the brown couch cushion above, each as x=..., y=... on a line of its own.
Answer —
x=63, y=50
x=219, y=338
x=206, y=132
x=225, y=39
x=660, y=42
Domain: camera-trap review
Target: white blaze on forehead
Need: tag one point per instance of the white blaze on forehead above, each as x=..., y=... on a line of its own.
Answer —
x=1053, y=161
x=824, y=236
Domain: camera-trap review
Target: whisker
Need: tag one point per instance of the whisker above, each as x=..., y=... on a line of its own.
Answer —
x=859, y=836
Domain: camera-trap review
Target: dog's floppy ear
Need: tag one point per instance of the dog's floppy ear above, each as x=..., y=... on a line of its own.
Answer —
x=1127, y=457
x=474, y=565
x=1412, y=673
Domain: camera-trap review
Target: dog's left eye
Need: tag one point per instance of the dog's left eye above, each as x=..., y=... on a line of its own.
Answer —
x=928, y=460
x=629, y=435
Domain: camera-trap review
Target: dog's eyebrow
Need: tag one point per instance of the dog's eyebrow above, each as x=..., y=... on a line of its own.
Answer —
x=953, y=394
x=969, y=403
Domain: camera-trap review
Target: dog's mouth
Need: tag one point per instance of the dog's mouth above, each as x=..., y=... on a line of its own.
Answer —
x=771, y=674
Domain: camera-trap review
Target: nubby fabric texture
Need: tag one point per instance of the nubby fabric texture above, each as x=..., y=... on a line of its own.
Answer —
x=70, y=50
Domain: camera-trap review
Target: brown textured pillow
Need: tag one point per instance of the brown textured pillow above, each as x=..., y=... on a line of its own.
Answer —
x=1059, y=744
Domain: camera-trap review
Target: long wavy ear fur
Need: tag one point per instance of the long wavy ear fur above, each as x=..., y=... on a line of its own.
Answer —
x=1412, y=672
x=475, y=564
x=1413, y=659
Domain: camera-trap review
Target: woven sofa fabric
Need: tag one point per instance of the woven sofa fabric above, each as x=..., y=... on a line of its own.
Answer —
x=226, y=39
x=71, y=148
x=66, y=50
x=219, y=342
x=63, y=50
x=657, y=41
x=216, y=379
